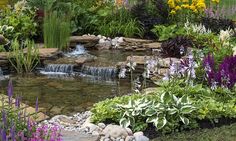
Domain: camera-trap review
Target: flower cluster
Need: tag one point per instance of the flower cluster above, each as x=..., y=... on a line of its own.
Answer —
x=195, y=6
x=184, y=69
x=224, y=76
x=196, y=28
x=16, y=125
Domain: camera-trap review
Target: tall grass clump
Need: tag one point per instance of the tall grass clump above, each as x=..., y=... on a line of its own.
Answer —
x=56, y=30
x=24, y=57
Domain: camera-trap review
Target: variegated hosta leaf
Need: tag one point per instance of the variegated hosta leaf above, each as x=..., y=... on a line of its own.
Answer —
x=166, y=98
x=184, y=120
x=187, y=109
x=136, y=112
x=175, y=98
x=150, y=112
x=151, y=119
x=127, y=113
x=160, y=122
x=172, y=111
x=124, y=122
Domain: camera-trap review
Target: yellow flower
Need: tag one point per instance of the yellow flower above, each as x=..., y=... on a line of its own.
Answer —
x=192, y=7
x=177, y=8
x=172, y=12
x=171, y=3
x=201, y=5
x=215, y=1
x=185, y=1
x=185, y=6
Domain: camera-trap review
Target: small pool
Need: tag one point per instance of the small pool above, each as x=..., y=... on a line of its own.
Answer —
x=65, y=95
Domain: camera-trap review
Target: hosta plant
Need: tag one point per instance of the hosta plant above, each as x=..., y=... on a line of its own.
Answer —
x=168, y=110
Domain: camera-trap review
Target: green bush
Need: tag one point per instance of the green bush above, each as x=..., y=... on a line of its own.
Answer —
x=21, y=21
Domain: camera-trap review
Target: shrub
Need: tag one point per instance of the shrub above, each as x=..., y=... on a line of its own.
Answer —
x=21, y=19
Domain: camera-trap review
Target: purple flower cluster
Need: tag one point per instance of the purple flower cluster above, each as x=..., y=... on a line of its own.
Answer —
x=225, y=76
x=186, y=68
x=220, y=12
x=16, y=127
x=46, y=133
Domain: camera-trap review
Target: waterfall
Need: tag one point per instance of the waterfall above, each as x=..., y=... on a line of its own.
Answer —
x=103, y=72
x=79, y=50
x=58, y=69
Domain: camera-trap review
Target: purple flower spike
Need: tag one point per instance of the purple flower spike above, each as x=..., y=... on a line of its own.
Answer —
x=10, y=91
x=12, y=132
x=4, y=135
x=4, y=118
x=37, y=105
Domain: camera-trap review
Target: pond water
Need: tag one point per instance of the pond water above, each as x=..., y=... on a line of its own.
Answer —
x=60, y=92
x=66, y=95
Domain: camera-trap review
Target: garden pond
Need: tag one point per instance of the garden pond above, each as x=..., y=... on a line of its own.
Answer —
x=63, y=90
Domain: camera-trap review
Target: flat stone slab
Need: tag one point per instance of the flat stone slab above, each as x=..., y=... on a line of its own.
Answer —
x=164, y=62
x=134, y=40
x=48, y=52
x=154, y=45
x=84, y=39
x=76, y=136
x=30, y=111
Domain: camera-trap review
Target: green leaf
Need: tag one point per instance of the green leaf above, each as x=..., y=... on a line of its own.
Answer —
x=124, y=122
x=150, y=112
x=187, y=109
x=184, y=120
x=160, y=122
x=165, y=98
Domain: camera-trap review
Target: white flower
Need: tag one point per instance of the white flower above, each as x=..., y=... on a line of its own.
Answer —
x=234, y=51
x=122, y=73
x=225, y=35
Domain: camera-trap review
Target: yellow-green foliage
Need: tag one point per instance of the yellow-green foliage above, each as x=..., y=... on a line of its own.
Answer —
x=3, y=3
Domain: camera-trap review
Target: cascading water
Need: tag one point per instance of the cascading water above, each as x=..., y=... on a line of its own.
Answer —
x=79, y=50
x=58, y=69
x=101, y=72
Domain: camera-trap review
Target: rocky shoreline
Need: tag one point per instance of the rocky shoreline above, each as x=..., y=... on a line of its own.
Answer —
x=79, y=126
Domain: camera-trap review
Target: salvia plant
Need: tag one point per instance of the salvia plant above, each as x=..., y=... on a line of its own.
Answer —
x=161, y=113
x=224, y=76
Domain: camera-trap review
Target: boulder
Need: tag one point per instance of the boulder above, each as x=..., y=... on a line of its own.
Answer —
x=115, y=131
x=141, y=138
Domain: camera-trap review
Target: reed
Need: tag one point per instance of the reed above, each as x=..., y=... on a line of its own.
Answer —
x=24, y=60
x=56, y=30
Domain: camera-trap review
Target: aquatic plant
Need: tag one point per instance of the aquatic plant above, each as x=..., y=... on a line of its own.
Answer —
x=56, y=30
x=24, y=60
